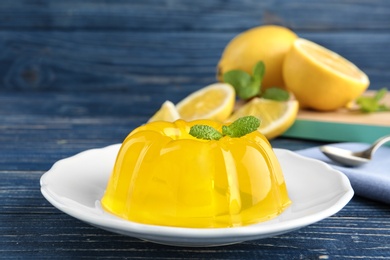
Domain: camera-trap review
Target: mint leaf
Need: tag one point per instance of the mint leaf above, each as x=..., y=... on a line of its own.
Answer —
x=371, y=104
x=380, y=94
x=237, y=78
x=205, y=132
x=367, y=104
x=383, y=108
x=242, y=82
x=249, y=91
x=277, y=94
x=259, y=71
x=242, y=126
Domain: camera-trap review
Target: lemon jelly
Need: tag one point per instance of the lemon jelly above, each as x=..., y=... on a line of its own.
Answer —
x=164, y=176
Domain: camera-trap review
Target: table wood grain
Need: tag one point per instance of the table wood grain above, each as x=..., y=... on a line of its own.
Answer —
x=76, y=75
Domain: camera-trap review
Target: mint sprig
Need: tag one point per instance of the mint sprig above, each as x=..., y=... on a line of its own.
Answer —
x=249, y=86
x=246, y=86
x=240, y=127
x=205, y=132
x=372, y=104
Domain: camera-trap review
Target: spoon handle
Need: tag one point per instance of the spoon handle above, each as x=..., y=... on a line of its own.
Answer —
x=370, y=151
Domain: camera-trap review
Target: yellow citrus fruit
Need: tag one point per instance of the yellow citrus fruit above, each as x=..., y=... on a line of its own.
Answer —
x=215, y=102
x=276, y=116
x=268, y=43
x=321, y=79
x=167, y=112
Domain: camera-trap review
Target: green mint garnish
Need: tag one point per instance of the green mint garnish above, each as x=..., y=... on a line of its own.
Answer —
x=248, y=86
x=205, y=132
x=258, y=72
x=276, y=94
x=239, y=128
x=242, y=83
x=372, y=104
x=242, y=126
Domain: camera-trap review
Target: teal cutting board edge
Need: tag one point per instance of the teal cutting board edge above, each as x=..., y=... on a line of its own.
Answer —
x=336, y=132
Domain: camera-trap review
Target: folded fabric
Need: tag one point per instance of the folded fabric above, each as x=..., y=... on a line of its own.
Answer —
x=371, y=180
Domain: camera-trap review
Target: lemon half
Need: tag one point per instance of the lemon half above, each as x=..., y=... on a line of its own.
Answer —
x=321, y=79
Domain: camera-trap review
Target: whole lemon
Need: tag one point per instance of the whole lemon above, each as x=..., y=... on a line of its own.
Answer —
x=268, y=43
x=321, y=79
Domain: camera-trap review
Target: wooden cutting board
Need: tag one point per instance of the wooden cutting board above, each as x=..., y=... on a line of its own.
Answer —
x=342, y=125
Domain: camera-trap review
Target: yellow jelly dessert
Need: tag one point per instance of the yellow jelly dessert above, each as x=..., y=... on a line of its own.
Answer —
x=165, y=176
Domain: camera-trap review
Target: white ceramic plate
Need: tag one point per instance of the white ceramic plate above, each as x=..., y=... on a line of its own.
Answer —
x=75, y=185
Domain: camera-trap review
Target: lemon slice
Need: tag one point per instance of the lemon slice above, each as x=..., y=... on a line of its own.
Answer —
x=215, y=102
x=167, y=112
x=321, y=79
x=276, y=117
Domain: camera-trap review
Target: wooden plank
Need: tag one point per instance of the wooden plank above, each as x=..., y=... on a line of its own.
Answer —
x=178, y=15
x=113, y=61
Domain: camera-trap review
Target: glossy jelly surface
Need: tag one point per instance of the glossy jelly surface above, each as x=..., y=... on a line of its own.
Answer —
x=164, y=176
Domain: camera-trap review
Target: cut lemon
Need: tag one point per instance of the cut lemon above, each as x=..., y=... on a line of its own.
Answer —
x=321, y=79
x=276, y=117
x=167, y=112
x=215, y=102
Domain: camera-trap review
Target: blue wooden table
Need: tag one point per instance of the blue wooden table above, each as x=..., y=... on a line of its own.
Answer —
x=76, y=75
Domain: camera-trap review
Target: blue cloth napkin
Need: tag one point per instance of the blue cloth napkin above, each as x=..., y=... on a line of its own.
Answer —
x=371, y=180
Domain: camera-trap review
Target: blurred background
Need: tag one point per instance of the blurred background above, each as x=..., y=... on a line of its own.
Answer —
x=168, y=46
x=71, y=56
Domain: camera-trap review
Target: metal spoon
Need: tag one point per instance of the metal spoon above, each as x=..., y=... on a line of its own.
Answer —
x=350, y=158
